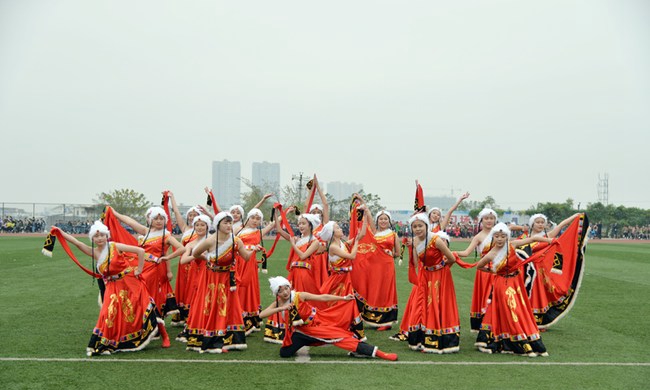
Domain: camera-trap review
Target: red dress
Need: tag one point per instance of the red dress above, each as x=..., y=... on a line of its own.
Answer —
x=379, y=297
x=435, y=326
x=340, y=283
x=508, y=319
x=154, y=273
x=127, y=319
x=215, y=321
x=248, y=285
x=185, y=281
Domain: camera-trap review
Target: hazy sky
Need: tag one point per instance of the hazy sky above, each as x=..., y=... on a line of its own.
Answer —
x=526, y=101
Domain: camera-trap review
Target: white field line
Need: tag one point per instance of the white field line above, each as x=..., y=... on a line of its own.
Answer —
x=351, y=361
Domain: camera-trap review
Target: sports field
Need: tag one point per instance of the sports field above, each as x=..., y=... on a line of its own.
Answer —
x=48, y=308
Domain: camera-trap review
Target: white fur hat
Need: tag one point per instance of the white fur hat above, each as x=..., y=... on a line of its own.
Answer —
x=316, y=206
x=327, y=231
x=312, y=219
x=255, y=211
x=98, y=227
x=443, y=235
x=500, y=227
x=153, y=212
x=237, y=207
x=435, y=208
x=276, y=282
x=384, y=212
x=204, y=218
x=196, y=209
x=485, y=212
x=420, y=217
x=219, y=217
x=532, y=219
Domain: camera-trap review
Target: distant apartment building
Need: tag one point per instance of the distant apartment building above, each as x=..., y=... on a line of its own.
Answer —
x=340, y=190
x=226, y=182
x=266, y=176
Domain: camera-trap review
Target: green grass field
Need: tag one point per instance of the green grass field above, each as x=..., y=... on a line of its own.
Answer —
x=49, y=308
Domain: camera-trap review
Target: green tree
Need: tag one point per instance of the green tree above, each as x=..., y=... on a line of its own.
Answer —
x=126, y=201
x=254, y=195
x=340, y=209
x=489, y=202
x=555, y=212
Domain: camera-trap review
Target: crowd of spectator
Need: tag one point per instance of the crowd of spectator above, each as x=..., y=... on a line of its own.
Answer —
x=9, y=224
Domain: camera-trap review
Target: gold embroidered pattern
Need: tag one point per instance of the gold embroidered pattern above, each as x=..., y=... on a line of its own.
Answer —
x=112, y=311
x=222, y=299
x=437, y=286
x=366, y=248
x=512, y=303
x=208, y=299
x=127, y=306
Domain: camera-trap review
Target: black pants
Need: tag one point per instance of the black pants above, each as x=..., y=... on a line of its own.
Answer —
x=299, y=340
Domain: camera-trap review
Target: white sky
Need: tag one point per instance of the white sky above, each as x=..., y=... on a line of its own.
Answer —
x=526, y=101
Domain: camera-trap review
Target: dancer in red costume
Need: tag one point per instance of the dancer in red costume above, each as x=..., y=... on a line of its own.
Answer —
x=215, y=323
x=156, y=240
x=550, y=284
x=186, y=273
x=127, y=319
x=482, y=242
x=248, y=285
x=307, y=325
x=302, y=252
x=320, y=265
x=201, y=227
x=432, y=319
x=373, y=275
x=509, y=321
x=341, y=257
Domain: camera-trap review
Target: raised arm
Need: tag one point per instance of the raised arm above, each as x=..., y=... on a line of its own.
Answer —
x=82, y=247
x=216, y=205
x=445, y=221
x=323, y=199
x=182, y=224
x=267, y=229
x=261, y=202
x=135, y=225
x=556, y=230
x=528, y=240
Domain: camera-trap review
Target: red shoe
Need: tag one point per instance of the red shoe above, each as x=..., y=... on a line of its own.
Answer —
x=386, y=356
x=383, y=328
x=165, y=337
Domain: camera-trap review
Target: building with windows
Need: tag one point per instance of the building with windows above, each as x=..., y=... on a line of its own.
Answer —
x=266, y=175
x=226, y=182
